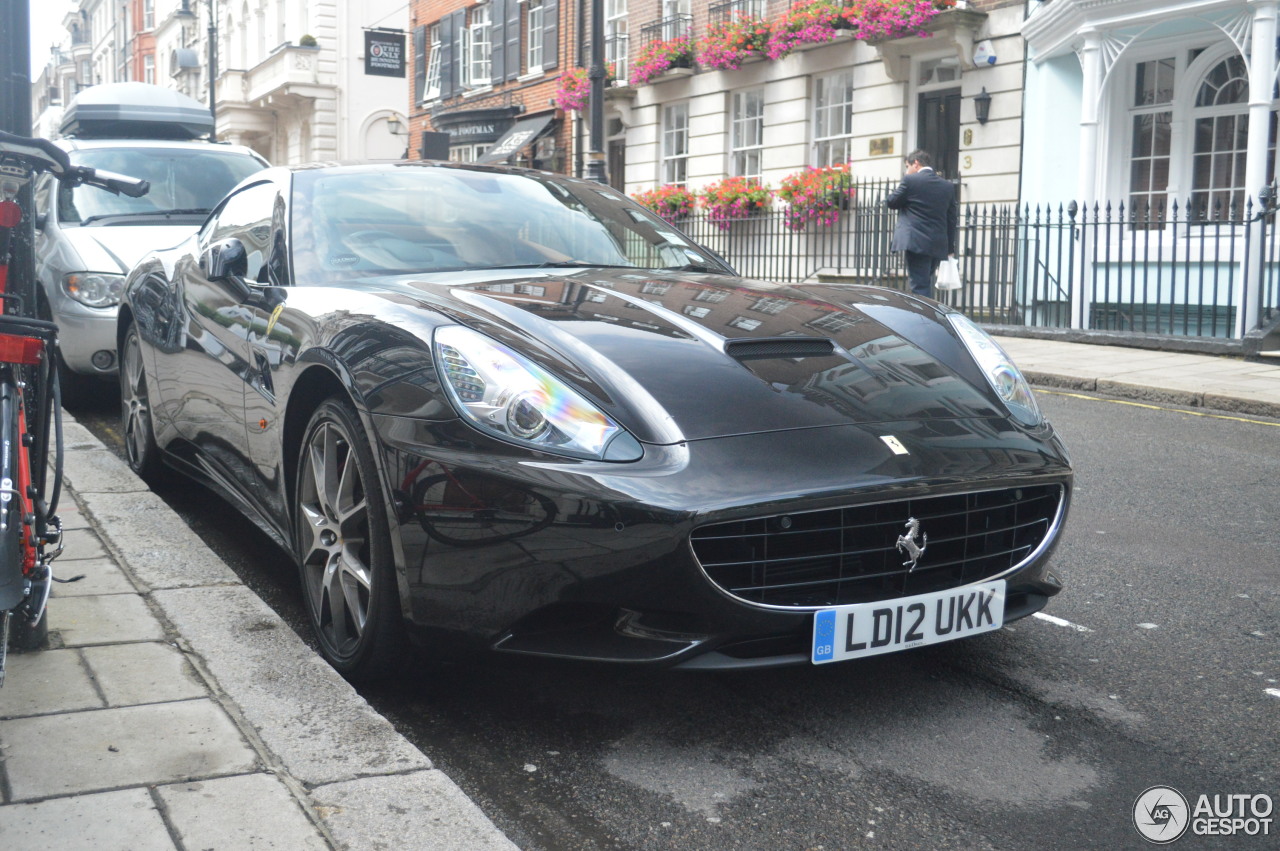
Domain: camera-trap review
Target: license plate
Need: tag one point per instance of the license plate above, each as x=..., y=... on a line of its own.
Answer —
x=869, y=629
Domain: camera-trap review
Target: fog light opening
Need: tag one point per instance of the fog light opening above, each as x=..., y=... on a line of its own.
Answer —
x=103, y=359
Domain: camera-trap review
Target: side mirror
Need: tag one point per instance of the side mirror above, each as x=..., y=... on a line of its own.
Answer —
x=226, y=261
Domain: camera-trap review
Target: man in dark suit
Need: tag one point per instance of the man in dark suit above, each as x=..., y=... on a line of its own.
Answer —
x=927, y=219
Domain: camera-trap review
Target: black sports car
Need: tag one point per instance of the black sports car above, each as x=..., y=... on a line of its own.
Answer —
x=513, y=411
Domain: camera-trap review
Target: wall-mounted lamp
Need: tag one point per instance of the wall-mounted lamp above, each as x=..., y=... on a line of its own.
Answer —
x=982, y=105
x=396, y=127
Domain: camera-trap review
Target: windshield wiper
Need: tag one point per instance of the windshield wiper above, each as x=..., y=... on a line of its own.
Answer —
x=192, y=211
x=695, y=267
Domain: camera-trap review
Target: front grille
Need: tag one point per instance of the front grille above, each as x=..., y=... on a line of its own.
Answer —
x=850, y=555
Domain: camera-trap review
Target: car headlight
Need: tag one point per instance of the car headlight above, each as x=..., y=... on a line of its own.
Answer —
x=511, y=397
x=1005, y=378
x=94, y=289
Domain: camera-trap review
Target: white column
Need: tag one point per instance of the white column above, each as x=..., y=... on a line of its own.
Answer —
x=1090, y=55
x=1262, y=68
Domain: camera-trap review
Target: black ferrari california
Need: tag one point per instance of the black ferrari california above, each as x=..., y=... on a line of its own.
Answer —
x=514, y=412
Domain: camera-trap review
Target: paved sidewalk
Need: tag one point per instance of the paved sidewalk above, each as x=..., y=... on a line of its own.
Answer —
x=1171, y=378
x=177, y=711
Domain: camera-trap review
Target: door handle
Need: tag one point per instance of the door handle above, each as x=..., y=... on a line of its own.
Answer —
x=264, y=373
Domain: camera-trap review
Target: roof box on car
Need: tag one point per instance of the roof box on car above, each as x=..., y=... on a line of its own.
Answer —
x=135, y=111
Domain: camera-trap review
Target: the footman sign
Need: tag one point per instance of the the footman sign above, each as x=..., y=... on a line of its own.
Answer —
x=384, y=53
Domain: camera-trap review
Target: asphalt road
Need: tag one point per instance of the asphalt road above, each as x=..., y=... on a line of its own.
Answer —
x=1161, y=668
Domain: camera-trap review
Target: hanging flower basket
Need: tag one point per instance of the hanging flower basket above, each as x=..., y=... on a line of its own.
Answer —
x=730, y=43
x=816, y=195
x=658, y=57
x=575, y=87
x=735, y=198
x=811, y=22
x=671, y=202
x=877, y=20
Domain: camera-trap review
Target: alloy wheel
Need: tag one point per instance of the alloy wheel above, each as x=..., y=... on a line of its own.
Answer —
x=139, y=443
x=333, y=520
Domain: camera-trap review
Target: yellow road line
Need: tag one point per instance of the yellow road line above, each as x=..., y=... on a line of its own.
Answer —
x=1159, y=408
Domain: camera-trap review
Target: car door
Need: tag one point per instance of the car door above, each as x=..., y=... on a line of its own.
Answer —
x=204, y=387
x=276, y=334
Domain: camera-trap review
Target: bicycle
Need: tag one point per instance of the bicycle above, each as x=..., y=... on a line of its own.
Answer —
x=30, y=407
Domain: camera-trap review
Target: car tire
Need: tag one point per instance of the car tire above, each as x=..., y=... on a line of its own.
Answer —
x=136, y=427
x=343, y=542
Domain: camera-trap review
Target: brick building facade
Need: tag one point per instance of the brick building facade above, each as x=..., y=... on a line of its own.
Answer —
x=486, y=76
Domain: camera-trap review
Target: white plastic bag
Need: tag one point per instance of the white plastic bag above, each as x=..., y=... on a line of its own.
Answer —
x=948, y=275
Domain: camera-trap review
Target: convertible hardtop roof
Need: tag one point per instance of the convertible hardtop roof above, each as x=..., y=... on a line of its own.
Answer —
x=135, y=111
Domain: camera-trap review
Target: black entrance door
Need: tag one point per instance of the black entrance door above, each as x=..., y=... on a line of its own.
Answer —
x=938, y=130
x=617, y=164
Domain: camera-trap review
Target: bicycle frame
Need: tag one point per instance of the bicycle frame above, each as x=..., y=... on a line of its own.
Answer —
x=30, y=406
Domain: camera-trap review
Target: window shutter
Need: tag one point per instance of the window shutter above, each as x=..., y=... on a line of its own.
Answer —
x=450, y=60
x=513, y=40
x=420, y=60
x=550, y=33
x=497, y=39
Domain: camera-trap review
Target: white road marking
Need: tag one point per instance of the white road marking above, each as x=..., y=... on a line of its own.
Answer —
x=1274, y=692
x=1148, y=626
x=1060, y=622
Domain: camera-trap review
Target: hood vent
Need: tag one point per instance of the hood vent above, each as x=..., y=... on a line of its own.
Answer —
x=779, y=347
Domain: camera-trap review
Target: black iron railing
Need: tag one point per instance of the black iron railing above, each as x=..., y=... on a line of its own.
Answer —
x=721, y=13
x=677, y=26
x=1180, y=271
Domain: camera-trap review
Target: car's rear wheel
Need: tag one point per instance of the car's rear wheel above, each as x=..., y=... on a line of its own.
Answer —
x=135, y=410
x=344, y=547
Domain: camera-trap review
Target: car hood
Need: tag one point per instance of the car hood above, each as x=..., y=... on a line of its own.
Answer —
x=119, y=247
x=684, y=356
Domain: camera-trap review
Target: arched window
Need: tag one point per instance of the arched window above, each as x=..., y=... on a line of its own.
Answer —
x=1188, y=136
x=1220, y=134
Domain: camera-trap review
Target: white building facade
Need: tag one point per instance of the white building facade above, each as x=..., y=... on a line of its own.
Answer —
x=843, y=101
x=1151, y=101
x=1168, y=108
x=289, y=76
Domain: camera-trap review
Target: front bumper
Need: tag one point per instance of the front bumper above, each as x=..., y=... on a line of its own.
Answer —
x=592, y=561
x=84, y=332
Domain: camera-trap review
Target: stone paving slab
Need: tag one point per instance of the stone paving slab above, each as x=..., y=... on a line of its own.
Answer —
x=102, y=619
x=130, y=674
x=47, y=682
x=76, y=436
x=306, y=714
x=81, y=545
x=427, y=811
x=126, y=820
x=101, y=576
x=160, y=550
x=105, y=749
x=243, y=812
x=98, y=471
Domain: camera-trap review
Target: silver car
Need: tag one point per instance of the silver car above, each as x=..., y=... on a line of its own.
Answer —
x=87, y=239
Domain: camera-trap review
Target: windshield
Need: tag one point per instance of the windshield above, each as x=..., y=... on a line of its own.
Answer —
x=181, y=180
x=433, y=218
